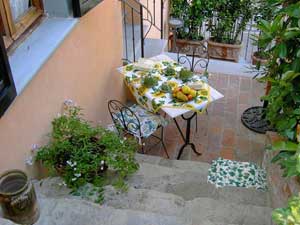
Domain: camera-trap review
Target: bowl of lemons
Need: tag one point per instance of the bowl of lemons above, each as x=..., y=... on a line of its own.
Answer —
x=184, y=93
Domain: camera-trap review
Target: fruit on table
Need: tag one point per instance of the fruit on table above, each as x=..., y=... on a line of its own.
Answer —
x=193, y=93
x=185, y=93
x=186, y=90
x=181, y=96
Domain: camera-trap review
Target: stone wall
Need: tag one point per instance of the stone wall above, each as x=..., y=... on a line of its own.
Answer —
x=281, y=189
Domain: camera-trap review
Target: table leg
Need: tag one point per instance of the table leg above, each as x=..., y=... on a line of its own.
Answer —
x=187, y=137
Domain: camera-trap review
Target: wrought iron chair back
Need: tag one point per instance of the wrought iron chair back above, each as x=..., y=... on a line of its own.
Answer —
x=124, y=118
x=193, y=55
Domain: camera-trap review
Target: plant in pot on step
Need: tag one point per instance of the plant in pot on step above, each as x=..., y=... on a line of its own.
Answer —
x=226, y=24
x=82, y=154
x=193, y=14
x=283, y=110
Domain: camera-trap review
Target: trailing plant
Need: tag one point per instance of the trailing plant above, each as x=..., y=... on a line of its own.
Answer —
x=281, y=39
x=194, y=14
x=81, y=153
x=289, y=215
x=228, y=20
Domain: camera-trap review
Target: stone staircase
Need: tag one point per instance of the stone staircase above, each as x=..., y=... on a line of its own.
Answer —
x=162, y=192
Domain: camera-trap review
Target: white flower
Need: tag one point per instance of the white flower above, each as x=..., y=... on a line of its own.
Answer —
x=34, y=147
x=73, y=179
x=125, y=138
x=68, y=102
x=278, y=61
x=144, y=144
x=77, y=174
x=102, y=162
x=75, y=168
x=102, y=168
x=69, y=163
x=29, y=161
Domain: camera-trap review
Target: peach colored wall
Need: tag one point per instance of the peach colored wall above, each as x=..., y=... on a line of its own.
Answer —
x=83, y=68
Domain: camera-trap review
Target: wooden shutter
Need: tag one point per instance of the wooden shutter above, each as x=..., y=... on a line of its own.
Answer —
x=7, y=87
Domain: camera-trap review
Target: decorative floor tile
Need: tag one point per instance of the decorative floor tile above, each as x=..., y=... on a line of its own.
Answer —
x=224, y=172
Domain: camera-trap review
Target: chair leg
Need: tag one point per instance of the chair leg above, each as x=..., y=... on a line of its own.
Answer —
x=163, y=143
x=196, y=123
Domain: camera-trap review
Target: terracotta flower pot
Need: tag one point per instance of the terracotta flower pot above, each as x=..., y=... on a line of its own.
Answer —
x=256, y=59
x=188, y=46
x=224, y=51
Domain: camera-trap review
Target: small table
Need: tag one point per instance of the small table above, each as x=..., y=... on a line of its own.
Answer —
x=152, y=103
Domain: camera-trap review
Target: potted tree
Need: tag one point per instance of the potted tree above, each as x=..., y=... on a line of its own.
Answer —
x=193, y=14
x=227, y=22
x=263, y=10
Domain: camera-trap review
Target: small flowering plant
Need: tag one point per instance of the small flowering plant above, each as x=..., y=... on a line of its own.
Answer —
x=82, y=154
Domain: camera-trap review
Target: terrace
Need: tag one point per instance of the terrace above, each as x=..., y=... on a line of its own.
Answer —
x=87, y=88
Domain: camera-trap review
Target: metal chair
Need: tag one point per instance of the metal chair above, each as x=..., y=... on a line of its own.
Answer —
x=138, y=122
x=194, y=55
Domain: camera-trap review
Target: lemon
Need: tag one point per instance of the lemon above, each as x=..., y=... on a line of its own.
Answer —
x=186, y=90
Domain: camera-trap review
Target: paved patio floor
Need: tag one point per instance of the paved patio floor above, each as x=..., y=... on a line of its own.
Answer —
x=220, y=132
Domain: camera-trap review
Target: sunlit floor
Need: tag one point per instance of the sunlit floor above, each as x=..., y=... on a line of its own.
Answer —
x=220, y=132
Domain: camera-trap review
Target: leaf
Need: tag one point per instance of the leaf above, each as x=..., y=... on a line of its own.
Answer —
x=286, y=146
x=298, y=52
x=282, y=50
x=297, y=111
x=291, y=34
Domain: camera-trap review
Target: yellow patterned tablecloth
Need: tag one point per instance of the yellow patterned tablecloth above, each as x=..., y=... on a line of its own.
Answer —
x=153, y=99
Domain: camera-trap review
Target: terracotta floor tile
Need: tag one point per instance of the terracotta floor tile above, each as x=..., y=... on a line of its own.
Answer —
x=227, y=153
x=221, y=133
x=228, y=138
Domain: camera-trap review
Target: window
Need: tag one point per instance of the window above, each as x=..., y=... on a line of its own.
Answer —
x=17, y=16
x=7, y=88
x=81, y=7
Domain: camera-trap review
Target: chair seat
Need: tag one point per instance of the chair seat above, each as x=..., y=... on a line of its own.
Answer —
x=149, y=122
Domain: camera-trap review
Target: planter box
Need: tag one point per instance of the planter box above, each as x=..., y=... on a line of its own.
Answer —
x=256, y=59
x=224, y=51
x=187, y=47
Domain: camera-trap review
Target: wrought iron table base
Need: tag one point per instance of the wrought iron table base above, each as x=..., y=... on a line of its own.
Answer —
x=186, y=139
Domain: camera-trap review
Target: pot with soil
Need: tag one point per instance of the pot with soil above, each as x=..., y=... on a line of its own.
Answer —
x=259, y=58
x=224, y=51
x=18, y=198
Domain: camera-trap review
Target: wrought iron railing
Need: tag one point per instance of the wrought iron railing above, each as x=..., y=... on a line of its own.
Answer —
x=138, y=20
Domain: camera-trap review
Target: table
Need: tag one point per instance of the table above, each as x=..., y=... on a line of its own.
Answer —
x=153, y=102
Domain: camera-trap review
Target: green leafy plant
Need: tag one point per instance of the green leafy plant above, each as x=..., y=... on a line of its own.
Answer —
x=228, y=20
x=185, y=75
x=280, y=38
x=289, y=215
x=170, y=71
x=149, y=81
x=166, y=88
x=83, y=154
x=193, y=13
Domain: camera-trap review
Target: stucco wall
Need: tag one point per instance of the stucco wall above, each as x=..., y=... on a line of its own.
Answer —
x=82, y=69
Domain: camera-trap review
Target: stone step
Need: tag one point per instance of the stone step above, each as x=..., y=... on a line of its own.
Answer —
x=189, y=180
x=79, y=212
x=198, y=209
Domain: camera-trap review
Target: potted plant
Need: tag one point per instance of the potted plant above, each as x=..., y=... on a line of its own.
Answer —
x=228, y=21
x=193, y=14
x=81, y=153
x=263, y=10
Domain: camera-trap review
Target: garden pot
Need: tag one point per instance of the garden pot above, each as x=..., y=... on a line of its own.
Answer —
x=187, y=46
x=224, y=51
x=256, y=59
x=18, y=198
